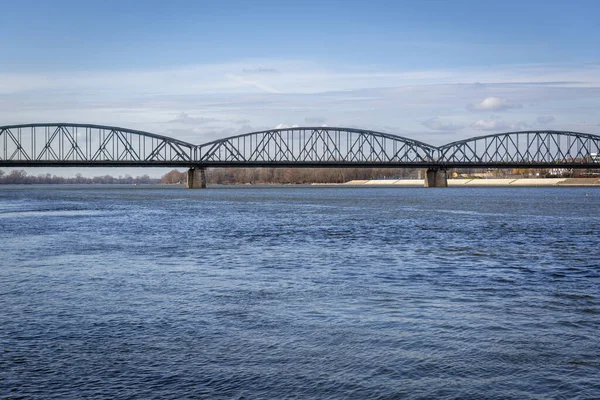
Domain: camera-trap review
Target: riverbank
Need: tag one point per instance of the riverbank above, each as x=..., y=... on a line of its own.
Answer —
x=474, y=182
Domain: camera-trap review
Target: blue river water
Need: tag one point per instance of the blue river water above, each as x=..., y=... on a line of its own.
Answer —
x=299, y=292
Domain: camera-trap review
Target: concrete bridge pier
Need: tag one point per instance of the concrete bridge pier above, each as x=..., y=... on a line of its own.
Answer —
x=435, y=177
x=196, y=178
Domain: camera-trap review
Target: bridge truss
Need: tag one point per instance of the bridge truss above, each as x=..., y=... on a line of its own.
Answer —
x=524, y=149
x=316, y=147
x=62, y=144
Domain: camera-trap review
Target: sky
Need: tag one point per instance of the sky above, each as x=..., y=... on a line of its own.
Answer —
x=434, y=71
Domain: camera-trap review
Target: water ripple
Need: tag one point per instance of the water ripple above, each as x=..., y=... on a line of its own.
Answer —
x=299, y=293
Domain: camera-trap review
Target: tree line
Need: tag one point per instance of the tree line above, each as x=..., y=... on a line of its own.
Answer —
x=21, y=177
x=229, y=176
x=225, y=176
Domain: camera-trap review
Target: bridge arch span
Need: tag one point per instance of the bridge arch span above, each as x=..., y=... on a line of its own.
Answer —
x=546, y=148
x=316, y=146
x=70, y=144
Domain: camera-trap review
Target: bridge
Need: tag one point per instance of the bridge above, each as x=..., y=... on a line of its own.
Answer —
x=83, y=145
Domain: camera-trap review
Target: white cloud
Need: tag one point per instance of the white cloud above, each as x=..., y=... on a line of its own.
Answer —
x=495, y=124
x=493, y=104
x=438, y=125
x=292, y=76
x=285, y=126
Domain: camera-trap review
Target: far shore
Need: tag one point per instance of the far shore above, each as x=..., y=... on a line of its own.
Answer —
x=463, y=182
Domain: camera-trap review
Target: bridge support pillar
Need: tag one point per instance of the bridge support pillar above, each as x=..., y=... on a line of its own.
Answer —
x=436, y=178
x=196, y=178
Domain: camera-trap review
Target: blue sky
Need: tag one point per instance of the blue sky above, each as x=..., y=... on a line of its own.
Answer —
x=432, y=70
x=48, y=35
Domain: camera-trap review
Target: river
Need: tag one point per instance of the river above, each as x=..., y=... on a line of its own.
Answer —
x=299, y=292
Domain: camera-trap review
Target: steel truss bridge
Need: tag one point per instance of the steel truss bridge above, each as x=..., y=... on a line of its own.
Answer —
x=82, y=145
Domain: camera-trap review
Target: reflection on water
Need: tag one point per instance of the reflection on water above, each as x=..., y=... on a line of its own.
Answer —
x=299, y=292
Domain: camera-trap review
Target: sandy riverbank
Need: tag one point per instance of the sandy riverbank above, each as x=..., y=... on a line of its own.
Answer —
x=476, y=182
